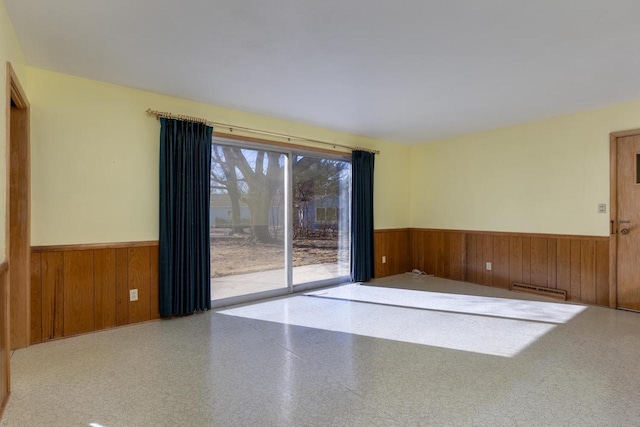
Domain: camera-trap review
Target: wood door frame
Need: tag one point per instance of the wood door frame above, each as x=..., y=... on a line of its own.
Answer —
x=18, y=197
x=613, y=212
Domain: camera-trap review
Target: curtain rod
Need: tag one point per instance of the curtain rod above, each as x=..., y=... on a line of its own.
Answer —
x=159, y=114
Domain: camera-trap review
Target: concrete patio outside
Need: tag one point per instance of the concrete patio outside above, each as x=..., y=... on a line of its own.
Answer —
x=250, y=283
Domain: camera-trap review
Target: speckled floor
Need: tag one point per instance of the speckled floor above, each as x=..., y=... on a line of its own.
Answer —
x=457, y=354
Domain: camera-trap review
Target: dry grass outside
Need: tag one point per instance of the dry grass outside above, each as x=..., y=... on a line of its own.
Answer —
x=234, y=255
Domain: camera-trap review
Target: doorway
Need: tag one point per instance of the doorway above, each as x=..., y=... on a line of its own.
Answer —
x=624, y=246
x=279, y=220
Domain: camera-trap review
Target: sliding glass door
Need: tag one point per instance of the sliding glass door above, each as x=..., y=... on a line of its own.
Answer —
x=321, y=213
x=247, y=220
x=278, y=219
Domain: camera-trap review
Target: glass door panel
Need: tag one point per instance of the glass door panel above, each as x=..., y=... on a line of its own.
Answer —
x=247, y=216
x=321, y=219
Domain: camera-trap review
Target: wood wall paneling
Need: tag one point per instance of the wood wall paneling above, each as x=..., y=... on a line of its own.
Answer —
x=76, y=290
x=139, y=278
x=36, y=298
x=472, y=274
x=429, y=254
x=526, y=260
x=154, y=296
x=52, y=295
x=418, y=247
x=94, y=246
x=539, y=261
x=479, y=259
x=563, y=265
x=401, y=262
x=552, y=263
x=577, y=264
x=85, y=288
x=104, y=262
x=455, y=256
x=439, y=254
x=122, y=286
x=501, y=261
x=575, y=269
x=515, y=259
x=378, y=252
x=588, y=271
x=463, y=256
x=446, y=254
x=602, y=273
x=396, y=246
x=79, y=292
x=487, y=256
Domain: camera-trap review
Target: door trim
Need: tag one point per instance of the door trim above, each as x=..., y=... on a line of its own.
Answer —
x=613, y=212
x=18, y=196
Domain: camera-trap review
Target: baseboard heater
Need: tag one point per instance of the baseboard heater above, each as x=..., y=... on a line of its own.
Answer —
x=540, y=290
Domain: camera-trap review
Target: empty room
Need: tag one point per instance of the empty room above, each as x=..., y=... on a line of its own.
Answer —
x=301, y=213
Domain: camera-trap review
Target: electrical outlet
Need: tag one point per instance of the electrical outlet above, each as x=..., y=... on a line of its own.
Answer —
x=488, y=266
x=602, y=208
x=133, y=295
x=384, y=259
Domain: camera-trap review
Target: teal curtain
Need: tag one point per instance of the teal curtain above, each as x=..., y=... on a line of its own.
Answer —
x=362, y=256
x=184, y=253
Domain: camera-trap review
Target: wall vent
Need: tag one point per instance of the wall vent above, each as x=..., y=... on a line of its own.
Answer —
x=540, y=290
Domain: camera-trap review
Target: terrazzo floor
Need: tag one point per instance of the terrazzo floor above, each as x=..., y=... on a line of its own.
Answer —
x=450, y=354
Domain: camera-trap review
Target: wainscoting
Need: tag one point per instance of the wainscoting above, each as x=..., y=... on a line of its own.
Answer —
x=83, y=288
x=394, y=245
x=77, y=289
x=577, y=264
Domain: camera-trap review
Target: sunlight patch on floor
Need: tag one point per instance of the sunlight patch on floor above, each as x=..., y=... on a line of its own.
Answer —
x=540, y=311
x=493, y=326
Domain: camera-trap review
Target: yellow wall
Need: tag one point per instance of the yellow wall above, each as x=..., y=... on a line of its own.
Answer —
x=94, y=159
x=9, y=51
x=542, y=177
x=95, y=167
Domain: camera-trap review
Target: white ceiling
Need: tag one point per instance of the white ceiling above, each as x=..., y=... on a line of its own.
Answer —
x=406, y=70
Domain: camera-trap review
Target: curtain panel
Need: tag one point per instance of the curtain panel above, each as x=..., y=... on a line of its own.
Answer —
x=184, y=252
x=362, y=255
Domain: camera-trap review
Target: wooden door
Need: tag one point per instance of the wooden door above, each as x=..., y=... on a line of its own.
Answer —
x=627, y=221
